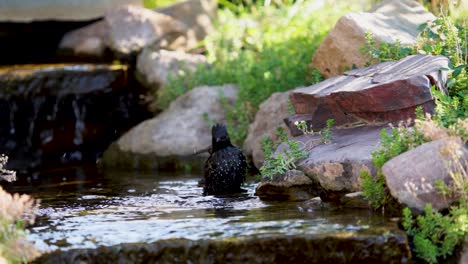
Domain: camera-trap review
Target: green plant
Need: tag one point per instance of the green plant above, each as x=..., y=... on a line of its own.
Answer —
x=435, y=235
x=373, y=189
x=401, y=139
x=282, y=161
x=381, y=52
x=325, y=134
x=303, y=127
x=450, y=108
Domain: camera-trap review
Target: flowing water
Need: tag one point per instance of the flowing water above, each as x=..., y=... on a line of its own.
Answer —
x=83, y=211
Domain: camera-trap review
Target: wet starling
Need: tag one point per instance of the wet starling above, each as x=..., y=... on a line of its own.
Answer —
x=226, y=166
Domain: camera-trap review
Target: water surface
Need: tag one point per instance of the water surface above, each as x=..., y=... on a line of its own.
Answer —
x=119, y=207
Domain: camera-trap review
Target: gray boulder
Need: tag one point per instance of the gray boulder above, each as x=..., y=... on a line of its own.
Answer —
x=155, y=66
x=131, y=28
x=172, y=138
x=269, y=117
x=410, y=176
x=389, y=21
x=88, y=41
x=337, y=166
x=198, y=17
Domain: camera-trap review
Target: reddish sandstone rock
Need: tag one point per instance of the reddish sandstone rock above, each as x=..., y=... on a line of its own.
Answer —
x=382, y=93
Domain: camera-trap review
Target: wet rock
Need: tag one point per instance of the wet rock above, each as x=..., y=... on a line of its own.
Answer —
x=68, y=10
x=389, y=21
x=198, y=17
x=354, y=200
x=348, y=201
x=386, y=244
x=87, y=42
x=64, y=113
x=337, y=166
x=382, y=93
x=155, y=66
x=172, y=138
x=268, y=118
x=131, y=28
x=410, y=176
x=291, y=186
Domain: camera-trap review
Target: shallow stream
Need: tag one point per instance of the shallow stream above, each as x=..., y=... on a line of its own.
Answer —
x=117, y=207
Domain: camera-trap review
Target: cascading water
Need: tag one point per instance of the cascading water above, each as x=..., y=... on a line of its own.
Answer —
x=64, y=113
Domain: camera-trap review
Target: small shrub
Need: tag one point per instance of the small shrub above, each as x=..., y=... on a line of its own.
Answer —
x=434, y=235
x=373, y=189
x=381, y=52
x=303, y=127
x=280, y=162
x=326, y=134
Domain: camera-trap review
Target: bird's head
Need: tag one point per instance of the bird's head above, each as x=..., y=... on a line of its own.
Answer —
x=220, y=136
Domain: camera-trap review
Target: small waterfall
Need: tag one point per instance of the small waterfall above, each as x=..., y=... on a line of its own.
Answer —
x=80, y=113
x=37, y=104
x=13, y=109
x=64, y=114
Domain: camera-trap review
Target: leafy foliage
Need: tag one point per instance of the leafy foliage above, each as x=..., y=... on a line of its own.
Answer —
x=326, y=134
x=381, y=52
x=282, y=161
x=450, y=108
x=435, y=235
x=400, y=140
x=373, y=189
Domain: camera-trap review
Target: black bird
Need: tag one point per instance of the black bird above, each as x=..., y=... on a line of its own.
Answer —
x=226, y=166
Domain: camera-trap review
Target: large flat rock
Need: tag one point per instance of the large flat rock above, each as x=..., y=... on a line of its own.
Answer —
x=388, y=21
x=382, y=93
